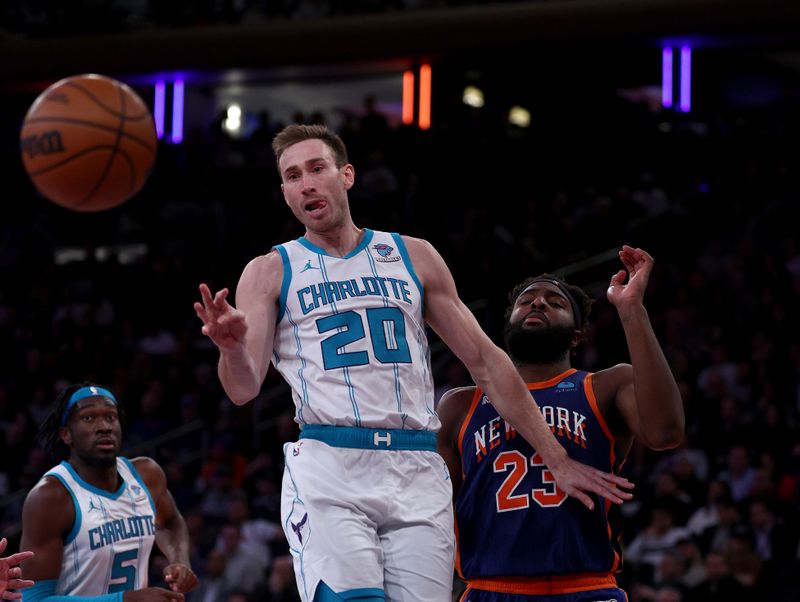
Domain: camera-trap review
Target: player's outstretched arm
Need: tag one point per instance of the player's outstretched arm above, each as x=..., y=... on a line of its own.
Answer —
x=172, y=536
x=493, y=371
x=647, y=396
x=10, y=573
x=244, y=334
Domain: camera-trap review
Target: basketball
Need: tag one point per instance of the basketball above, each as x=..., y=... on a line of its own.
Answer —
x=88, y=143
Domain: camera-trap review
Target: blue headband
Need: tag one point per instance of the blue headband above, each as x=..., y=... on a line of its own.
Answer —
x=576, y=311
x=83, y=393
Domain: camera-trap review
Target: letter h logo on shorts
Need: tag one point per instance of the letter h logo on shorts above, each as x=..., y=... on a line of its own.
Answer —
x=379, y=439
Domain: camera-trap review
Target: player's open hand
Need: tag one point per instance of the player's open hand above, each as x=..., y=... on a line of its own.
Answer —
x=10, y=573
x=151, y=594
x=180, y=577
x=576, y=480
x=638, y=265
x=222, y=323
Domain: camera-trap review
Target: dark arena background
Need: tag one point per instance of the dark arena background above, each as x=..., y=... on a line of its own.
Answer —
x=518, y=137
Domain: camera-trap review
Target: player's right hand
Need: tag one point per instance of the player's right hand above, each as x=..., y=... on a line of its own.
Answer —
x=576, y=479
x=151, y=594
x=222, y=323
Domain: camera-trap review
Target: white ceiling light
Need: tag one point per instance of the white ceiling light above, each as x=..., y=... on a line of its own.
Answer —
x=473, y=97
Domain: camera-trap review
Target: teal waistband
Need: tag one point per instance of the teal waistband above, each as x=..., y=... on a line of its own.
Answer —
x=361, y=438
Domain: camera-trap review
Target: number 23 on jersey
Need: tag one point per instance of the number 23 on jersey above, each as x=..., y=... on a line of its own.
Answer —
x=514, y=461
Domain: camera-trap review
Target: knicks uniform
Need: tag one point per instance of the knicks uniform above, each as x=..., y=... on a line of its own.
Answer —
x=519, y=536
x=108, y=548
x=366, y=498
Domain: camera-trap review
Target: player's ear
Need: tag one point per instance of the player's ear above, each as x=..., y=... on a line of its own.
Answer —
x=349, y=173
x=66, y=435
x=577, y=338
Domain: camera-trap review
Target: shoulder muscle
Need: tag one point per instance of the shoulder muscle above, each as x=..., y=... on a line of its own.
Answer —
x=261, y=277
x=452, y=409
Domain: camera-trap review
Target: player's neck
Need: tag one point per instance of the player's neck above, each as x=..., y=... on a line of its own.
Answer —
x=102, y=477
x=339, y=241
x=534, y=373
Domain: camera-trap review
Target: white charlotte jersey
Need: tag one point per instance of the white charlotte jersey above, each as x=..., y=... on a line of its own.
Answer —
x=351, y=339
x=108, y=548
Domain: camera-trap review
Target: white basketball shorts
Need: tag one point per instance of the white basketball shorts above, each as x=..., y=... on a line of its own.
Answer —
x=369, y=516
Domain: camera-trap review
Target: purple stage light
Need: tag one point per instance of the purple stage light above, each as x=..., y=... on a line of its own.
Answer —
x=686, y=79
x=177, y=111
x=666, y=78
x=158, y=108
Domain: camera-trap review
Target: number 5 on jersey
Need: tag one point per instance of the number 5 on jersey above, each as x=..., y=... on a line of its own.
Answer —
x=126, y=572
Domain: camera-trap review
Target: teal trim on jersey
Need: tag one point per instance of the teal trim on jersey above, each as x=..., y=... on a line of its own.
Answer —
x=363, y=594
x=351, y=391
x=303, y=384
x=138, y=477
x=76, y=557
x=398, y=393
x=401, y=246
x=76, y=526
x=364, y=438
x=92, y=488
x=287, y=279
x=359, y=247
x=45, y=590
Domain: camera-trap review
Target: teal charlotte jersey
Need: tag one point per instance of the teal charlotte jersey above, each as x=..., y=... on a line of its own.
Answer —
x=108, y=547
x=511, y=519
x=350, y=338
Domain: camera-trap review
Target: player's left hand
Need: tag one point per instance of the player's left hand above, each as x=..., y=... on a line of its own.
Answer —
x=638, y=265
x=10, y=573
x=576, y=479
x=180, y=577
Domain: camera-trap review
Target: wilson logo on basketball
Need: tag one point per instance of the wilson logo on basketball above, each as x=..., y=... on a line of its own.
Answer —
x=88, y=142
x=46, y=143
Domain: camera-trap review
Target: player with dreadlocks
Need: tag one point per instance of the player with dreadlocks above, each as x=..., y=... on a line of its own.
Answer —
x=92, y=519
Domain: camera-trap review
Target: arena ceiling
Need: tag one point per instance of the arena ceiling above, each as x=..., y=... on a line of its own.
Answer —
x=502, y=31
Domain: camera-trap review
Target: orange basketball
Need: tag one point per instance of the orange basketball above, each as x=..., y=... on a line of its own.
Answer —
x=88, y=143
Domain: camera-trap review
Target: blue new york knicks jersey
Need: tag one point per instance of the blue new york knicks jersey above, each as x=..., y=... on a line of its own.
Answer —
x=511, y=519
x=350, y=338
x=108, y=547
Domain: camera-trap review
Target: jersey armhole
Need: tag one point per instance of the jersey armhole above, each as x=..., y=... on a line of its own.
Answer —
x=588, y=388
x=138, y=477
x=401, y=246
x=287, y=279
x=476, y=398
x=76, y=523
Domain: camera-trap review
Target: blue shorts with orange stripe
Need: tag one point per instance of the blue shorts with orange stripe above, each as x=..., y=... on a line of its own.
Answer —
x=596, y=595
x=584, y=588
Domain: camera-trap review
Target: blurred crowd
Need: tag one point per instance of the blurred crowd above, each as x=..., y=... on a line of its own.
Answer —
x=715, y=199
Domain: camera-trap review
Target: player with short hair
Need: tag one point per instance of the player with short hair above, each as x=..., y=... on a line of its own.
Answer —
x=92, y=519
x=341, y=312
x=520, y=538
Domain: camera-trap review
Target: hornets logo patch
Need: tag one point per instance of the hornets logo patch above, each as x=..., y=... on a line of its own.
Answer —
x=384, y=252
